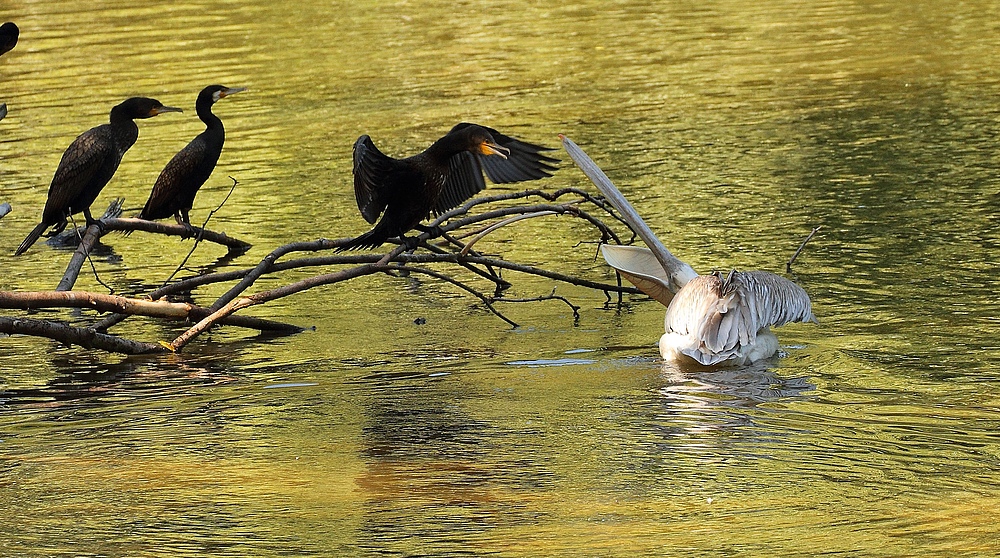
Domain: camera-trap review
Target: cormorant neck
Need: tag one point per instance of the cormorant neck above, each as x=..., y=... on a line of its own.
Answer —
x=120, y=116
x=204, y=110
x=449, y=145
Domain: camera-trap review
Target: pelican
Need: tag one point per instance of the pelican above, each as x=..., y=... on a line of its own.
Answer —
x=712, y=320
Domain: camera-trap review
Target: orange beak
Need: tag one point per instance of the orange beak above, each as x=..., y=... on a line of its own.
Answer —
x=490, y=148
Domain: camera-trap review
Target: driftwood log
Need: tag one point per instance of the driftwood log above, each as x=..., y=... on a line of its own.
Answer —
x=460, y=230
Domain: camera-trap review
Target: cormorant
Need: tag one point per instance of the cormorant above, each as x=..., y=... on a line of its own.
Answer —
x=89, y=163
x=405, y=191
x=175, y=188
x=8, y=36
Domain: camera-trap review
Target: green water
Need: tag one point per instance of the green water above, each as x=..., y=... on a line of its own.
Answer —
x=734, y=127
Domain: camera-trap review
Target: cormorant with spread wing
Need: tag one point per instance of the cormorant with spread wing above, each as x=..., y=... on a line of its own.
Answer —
x=406, y=191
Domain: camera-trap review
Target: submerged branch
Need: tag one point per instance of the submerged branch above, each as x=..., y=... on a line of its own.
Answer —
x=84, y=337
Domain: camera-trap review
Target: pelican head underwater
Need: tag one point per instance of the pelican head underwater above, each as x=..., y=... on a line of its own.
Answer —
x=712, y=320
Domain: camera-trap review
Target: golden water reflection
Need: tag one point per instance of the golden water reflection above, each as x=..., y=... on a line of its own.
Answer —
x=734, y=128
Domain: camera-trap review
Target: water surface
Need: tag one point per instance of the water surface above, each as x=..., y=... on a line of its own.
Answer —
x=735, y=129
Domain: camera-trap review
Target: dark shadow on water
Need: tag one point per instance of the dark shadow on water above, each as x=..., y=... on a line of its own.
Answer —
x=89, y=384
x=432, y=473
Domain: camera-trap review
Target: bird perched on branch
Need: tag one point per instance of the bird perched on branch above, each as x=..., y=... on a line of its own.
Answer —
x=178, y=183
x=8, y=39
x=8, y=36
x=712, y=320
x=406, y=191
x=89, y=163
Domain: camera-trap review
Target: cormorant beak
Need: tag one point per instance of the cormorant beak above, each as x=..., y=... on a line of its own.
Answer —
x=490, y=148
x=161, y=110
x=231, y=91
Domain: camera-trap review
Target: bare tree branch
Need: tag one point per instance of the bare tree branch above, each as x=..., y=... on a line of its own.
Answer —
x=551, y=296
x=172, y=229
x=265, y=296
x=84, y=337
x=93, y=234
x=129, y=306
x=398, y=259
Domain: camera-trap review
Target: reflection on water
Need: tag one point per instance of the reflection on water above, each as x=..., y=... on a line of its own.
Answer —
x=410, y=421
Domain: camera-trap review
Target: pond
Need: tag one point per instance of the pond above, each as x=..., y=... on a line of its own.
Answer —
x=411, y=421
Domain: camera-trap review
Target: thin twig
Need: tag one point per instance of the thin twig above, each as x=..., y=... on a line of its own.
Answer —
x=90, y=260
x=201, y=233
x=486, y=300
x=552, y=296
x=788, y=266
x=501, y=224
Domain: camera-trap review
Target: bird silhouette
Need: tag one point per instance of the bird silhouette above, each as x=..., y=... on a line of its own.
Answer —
x=178, y=183
x=89, y=163
x=406, y=191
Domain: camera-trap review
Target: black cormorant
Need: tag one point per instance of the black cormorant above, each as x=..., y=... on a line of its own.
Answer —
x=175, y=188
x=406, y=191
x=8, y=36
x=89, y=163
x=8, y=39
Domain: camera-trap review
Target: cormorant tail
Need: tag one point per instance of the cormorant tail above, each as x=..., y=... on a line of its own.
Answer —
x=32, y=237
x=370, y=240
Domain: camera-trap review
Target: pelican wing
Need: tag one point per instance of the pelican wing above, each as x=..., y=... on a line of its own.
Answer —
x=679, y=273
x=719, y=317
x=640, y=267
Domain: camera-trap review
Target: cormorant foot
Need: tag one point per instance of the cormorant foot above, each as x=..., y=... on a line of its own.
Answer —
x=98, y=222
x=410, y=242
x=434, y=231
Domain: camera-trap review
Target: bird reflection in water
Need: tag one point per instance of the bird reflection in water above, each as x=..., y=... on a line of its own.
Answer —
x=698, y=399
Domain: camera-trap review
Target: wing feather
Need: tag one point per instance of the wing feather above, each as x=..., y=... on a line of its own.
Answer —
x=465, y=178
x=82, y=161
x=371, y=171
x=718, y=319
x=164, y=200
